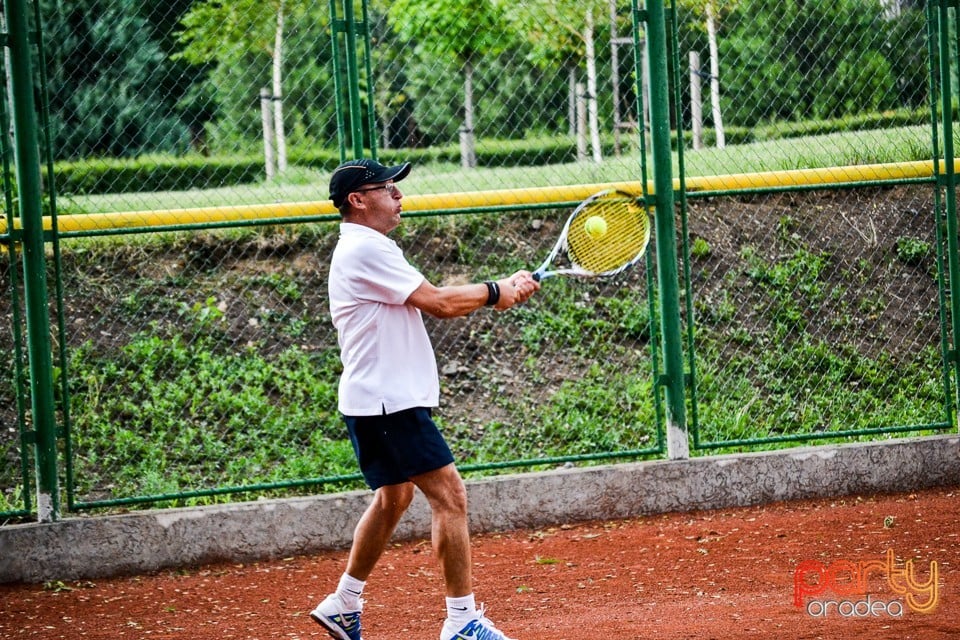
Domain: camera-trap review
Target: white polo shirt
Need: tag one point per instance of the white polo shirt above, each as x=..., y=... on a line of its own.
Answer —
x=388, y=361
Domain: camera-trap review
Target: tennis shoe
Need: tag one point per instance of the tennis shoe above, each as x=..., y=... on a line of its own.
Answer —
x=339, y=623
x=480, y=628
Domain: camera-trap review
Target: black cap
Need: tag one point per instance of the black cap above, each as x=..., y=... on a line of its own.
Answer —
x=352, y=175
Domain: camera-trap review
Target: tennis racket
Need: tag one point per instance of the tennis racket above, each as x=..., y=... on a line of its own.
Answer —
x=600, y=248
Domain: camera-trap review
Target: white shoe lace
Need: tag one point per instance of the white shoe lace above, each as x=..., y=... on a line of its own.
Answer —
x=485, y=621
x=343, y=605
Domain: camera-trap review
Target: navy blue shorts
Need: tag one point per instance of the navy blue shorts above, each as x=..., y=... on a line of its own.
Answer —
x=393, y=448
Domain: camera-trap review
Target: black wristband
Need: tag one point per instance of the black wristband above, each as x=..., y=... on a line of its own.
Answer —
x=493, y=293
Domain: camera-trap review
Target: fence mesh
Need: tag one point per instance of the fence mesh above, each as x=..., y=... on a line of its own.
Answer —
x=815, y=314
x=15, y=478
x=203, y=359
x=208, y=360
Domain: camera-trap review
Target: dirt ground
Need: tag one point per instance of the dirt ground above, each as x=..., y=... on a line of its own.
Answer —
x=730, y=573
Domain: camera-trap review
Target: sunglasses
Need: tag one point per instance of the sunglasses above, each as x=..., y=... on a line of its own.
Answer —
x=390, y=187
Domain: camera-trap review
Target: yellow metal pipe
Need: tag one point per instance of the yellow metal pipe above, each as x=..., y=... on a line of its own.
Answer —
x=813, y=177
x=479, y=199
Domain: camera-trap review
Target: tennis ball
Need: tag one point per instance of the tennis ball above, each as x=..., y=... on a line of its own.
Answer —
x=596, y=227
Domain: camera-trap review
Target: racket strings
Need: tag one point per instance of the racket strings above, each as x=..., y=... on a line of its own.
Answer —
x=626, y=237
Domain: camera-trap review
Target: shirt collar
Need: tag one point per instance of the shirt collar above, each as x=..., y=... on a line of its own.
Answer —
x=352, y=229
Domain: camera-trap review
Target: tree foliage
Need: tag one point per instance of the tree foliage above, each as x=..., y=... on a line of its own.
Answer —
x=465, y=29
x=115, y=90
x=812, y=60
x=131, y=77
x=236, y=38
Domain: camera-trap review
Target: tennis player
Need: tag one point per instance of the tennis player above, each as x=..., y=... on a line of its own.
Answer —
x=387, y=390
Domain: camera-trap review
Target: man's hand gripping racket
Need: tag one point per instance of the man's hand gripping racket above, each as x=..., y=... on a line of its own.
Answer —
x=607, y=233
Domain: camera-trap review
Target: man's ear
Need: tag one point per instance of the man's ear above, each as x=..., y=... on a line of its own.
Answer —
x=355, y=200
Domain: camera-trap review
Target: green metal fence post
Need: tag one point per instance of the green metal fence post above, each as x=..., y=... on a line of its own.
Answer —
x=949, y=180
x=27, y=160
x=673, y=381
x=336, y=27
x=353, y=79
x=346, y=70
x=371, y=89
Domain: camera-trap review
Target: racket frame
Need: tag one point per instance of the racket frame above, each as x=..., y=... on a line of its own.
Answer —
x=576, y=270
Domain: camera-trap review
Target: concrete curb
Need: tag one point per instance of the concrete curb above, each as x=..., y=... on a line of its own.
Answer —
x=91, y=547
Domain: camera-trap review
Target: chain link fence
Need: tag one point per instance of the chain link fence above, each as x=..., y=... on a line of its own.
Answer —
x=190, y=143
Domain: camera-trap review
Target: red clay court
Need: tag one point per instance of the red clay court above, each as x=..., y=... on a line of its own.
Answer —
x=729, y=573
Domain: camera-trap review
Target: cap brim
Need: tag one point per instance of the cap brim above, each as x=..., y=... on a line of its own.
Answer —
x=397, y=173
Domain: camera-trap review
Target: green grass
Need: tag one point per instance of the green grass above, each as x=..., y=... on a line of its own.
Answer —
x=811, y=389
x=782, y=373
x=903, y=144
x=191, y=412
x=188, y=410
x=306, y=185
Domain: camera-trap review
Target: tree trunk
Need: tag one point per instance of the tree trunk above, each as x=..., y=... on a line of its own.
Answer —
x=581, y=123
x=269, y=161
x=592, y=113
x=468, y=153
x=696, y=107
x=278, y=95
x=615, y=75
x=715, y=77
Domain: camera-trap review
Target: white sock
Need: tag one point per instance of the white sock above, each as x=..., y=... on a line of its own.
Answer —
x=462, y=610
x=350, y=589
